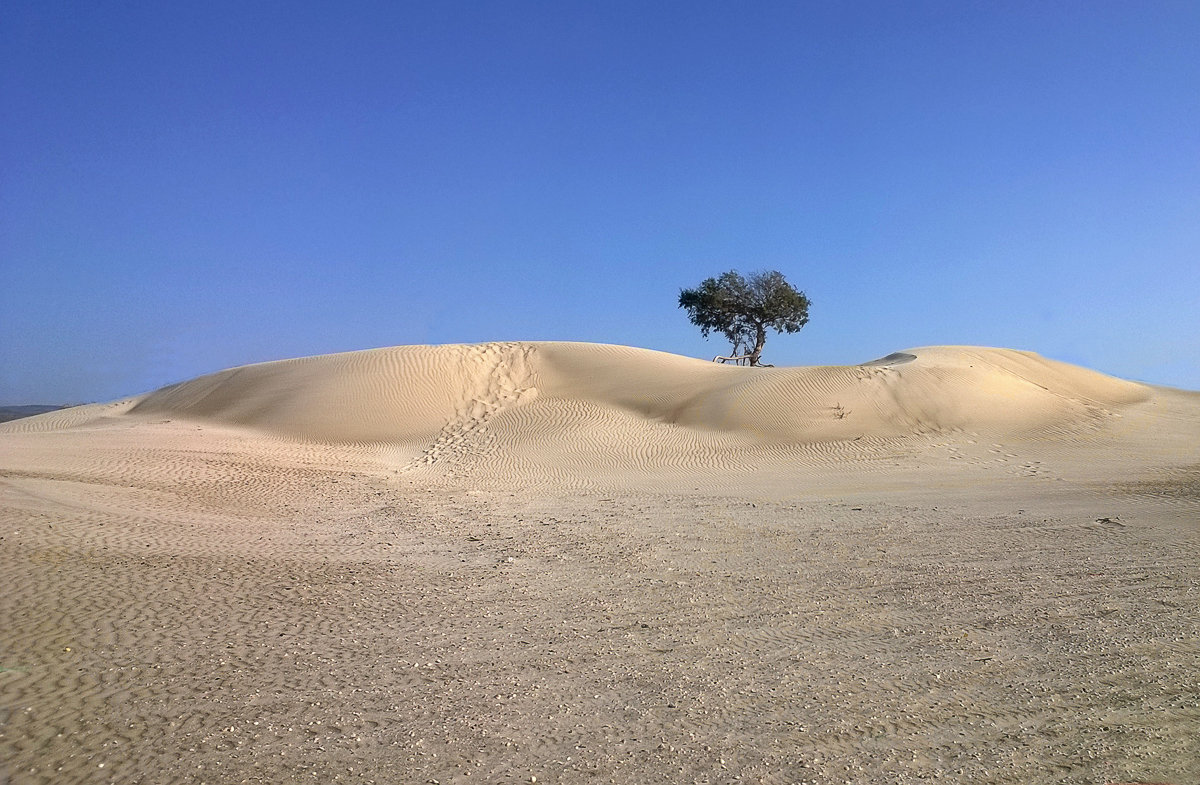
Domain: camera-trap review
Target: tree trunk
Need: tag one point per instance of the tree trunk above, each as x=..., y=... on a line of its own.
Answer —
x=760, y=338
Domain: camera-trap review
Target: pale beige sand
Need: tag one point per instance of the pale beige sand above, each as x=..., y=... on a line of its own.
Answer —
x=590, y=563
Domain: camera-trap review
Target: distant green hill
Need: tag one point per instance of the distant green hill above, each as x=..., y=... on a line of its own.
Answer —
x=17, y=412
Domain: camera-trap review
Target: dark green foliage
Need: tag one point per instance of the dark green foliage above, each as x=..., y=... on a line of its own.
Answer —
x=742, y=309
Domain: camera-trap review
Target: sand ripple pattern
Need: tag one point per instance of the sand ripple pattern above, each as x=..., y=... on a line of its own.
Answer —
x=587, y=564
x=368, y=631
x=496, y=377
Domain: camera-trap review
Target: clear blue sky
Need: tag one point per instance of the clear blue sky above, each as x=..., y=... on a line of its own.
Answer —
x=188, y=187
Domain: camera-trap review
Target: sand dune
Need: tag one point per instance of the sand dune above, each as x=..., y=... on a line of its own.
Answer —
x=584, y=563
x=438, y=401
x=593, y=415
x=585, y=413
x=589, y=414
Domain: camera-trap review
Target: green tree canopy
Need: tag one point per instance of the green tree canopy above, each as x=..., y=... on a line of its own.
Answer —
x=742, y=308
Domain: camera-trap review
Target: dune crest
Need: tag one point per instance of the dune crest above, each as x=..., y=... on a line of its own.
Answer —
x=585, y=413
x=401, y=394
x=432, y=401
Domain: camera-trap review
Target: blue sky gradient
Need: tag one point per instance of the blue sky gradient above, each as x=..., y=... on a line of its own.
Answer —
x=188, y=187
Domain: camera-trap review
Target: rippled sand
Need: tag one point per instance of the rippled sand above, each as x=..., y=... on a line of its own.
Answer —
x=588, y=564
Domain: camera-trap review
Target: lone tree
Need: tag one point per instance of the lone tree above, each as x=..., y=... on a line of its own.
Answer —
x=742, y=309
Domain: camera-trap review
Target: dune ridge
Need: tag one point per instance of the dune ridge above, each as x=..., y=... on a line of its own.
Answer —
x=582, y=413
x=414, y=394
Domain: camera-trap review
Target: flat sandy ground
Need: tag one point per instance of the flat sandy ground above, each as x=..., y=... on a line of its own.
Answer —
x=663, y=581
